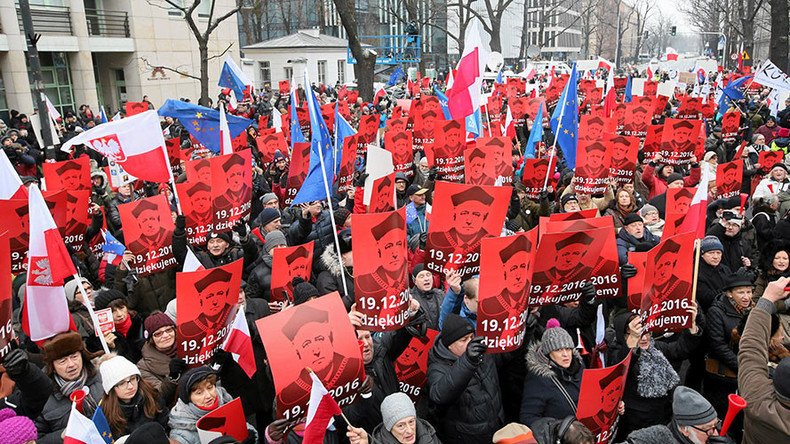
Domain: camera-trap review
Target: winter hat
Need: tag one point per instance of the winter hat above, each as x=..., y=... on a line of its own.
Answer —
x=303, y=291
x=646, y=209
x=155, y=321
x=779, y=165
x=16, y=429
x=268, y=197
x=268, y=215
x=215, y=235
x=514, y=433
x=555, y=338
x=62, y=344
x=190, y=378
x=278, y=156
x=731, y=216
x=689, y=408
x=341, y=214
x=417, y=269
x=170, y=310
x=148, y=433
x=273, y=239
x=711, y=243
x=104, y=298
x=344, y=238
x=709, y=155
x=70, y=288
x=455, y=328
x=631, y=218
x=782, y=379
x=28, y=179
x=783, y=132
x=738, y=279
x=567, y=198
x=224, y=440
x=115, y=370
x=657, y=434
x=396, y=407
x=401, y=176
x=674, y=177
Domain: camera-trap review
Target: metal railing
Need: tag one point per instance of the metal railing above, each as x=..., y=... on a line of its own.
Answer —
x=48, y=20
x=107, y=23
x=391, y=49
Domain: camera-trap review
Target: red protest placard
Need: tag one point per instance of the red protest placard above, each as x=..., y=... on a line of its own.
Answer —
x=561, y=217
x=497, y=160
x=173, y=146
x=667, y=291
x=227, y=420
x=133, y=108
x=505, y=274
x=585, y=87
x=231, y=185
x=637, y=119
x=515, y=87
x=652, y=142
x=424, y=127
x=650, y=88
x=659, y=105
x=679, y=140
x=196, y=204
x=532, y=109
x=600, y=394
x=328, y=114
x=77, y=218
x=636, y=283
x=106, y=322
x=534, y=175
x=368, y=126
x=315, y=335
x=553, y=91
x=15, y=213
x=345, y=179
x=148, y=232
x=284, y=86
x=411, y=367
x=297, y=171
x=383, y=197
x=462, y=216
x=381, y=277
x=446, y=152
x=594, y=128
x=290, y=263
x=619, y=116
x=729, y=179
x=690, y=108
x=199, y=170
x=269, y=143
x=6, y=328
x=397, y=124
x=518, y=109
x=206, y=303
x=56, y=203
x=593, y=159
x=625, y=150
x=71, y=175
x=767, y=159
x=730, y=123
x=399, y=143
x=678, y=204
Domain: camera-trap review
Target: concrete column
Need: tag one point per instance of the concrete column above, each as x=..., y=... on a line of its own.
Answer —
x=83, y=82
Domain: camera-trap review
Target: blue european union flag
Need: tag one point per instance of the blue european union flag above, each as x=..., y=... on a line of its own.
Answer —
x=731, y=93
x=319, y=180
x=499, y=77
x=228, y=78
x=443, y=102
x=343, y=129
x=103, y=116
x=102, y=425
x=296, y=128
x=474, y=124
x=536, y=135
x=628, y=87
x=395, y=76
x=203, y=123
x=112, y=245
x=565, y=120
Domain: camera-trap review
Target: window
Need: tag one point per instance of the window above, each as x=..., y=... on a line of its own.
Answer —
x=289, y=72
x=266, y=72
x=322, y=71
x=341, y=71
x=203, y=9
x=56, y=76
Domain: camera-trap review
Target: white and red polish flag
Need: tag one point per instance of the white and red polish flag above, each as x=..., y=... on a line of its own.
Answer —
x=694, y=221
x=10, y=184
x=610, y=99
x=672, y=55
x=81, y=430
x=239, y=344
x=226, y=146
x=45, y=312
x=136, y=143
x=191, y=262
x=463, y=98
x=320, y=411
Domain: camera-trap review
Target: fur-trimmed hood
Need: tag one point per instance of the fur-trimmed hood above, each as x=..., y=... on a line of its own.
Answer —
x=330, y=262
x=541, y=366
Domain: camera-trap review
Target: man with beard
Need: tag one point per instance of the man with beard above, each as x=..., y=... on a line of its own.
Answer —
x=665, y=284
x=238, y=192
x=310, y=334
x=568, y=266
x=213, y=293
x=152, y=235
x=470, y=211
x=202, y=213
x=390, y=277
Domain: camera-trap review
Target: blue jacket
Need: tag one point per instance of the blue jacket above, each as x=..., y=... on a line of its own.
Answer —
x=454, y=303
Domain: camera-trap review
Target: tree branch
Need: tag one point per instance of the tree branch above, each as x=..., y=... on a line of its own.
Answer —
x=216, y=56
x=167, y=68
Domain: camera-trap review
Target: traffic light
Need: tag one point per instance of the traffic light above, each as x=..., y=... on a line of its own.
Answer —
x=673, y=31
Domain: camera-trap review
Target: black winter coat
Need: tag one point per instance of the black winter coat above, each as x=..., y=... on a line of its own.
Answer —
x=248, y=251
x=55, y=414
x=134, y=412
x=734, y=247
x=465, y=397
x=259, y=281
x=430, y=303
x=331, y=279
x=710, y=282
x=32, y=390
x=722, y=318
x=542, y=396
x=627, y=243
x=148, y=293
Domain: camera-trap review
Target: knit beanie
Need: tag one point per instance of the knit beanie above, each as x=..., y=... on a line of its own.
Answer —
x=303, y=291
x=155, y=321
x=268, y=197
x=219, y=235
x=104, y=298
x=455, y=328
x=631, y=218
x=567, y=198
x=16, y=429
x=657, y=434
x=344, y=238
x=273, y=239
x=555, y=338
x=170, y=310
x=148, y=433
x=115, y=370
x=70, y=288
x=674, y=177
x=646, y=209
x=689, y=408
x=782, y=379
x=417, y=269
x=341, y=214
x=190, y=378
x=268, y=215
x=396, y=407
x=62, y=344
x=514, y=433
x=711, y=243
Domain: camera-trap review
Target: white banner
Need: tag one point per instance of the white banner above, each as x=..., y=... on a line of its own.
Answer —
x=770, y=75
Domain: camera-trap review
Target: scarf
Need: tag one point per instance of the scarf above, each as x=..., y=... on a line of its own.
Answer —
x=68, y=387
x=124, y=326
x=740, y=310
x=656, y=375
x=170, y=352
x=212, y=407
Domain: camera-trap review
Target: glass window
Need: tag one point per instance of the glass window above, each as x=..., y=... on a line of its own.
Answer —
x=289, y=72
x=56, y=76
x=341, y=71
x=322, y=71
x=266, y=72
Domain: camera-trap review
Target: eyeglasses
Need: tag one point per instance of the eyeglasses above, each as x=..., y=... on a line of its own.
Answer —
x=709, y=431
x=128, y=382
x=165, y=331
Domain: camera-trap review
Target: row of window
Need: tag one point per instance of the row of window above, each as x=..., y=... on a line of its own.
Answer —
x=553, y=39
x=266, y=71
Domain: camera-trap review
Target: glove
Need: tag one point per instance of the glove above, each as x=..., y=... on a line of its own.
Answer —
x=643, y=246
x=177, y=367
x=432, y=174
x=241, y=229
x=588, y=291
x=720, y=440
x=181, y=222
x=15, y=362
x=360, y=180
x=543, y=195
x=221, y=357
x=475, y=349
x=627, y=271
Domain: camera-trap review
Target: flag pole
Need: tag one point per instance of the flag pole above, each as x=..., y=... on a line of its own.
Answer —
x=553, y=146
x=488, y=119
x=334, y=224
x=92, y=314
x=341, y=411
x=697, y=245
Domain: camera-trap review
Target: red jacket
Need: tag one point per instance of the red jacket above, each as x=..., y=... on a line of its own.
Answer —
x=658, y=186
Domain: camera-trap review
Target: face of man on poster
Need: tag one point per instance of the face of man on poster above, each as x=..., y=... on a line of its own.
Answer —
x=476, y=168
x=70, y=179
x=469, y=217
x=610, y=395
x=410, y=355
x=201, y=202
x=570, y=257
x=390, y=249
x=149, y=223
x=313, y=345
x=682, y=135
x=619, y=151
x=665, y=265
x=235, y=178
x=515, y=272
x=214, y=298
x=595, y=159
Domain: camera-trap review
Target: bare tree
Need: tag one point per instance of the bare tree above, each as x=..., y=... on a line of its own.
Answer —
x=366, y=59
x=255, y=20
x=554, y=14
x=780, y=33
x=589, y=25
x=490, y=19
x=423, y=13
x=201, y=36
x=658, y=34
x=462, y=15
x=642, y=11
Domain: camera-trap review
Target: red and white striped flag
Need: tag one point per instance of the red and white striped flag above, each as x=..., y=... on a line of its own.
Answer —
x=510, y=128
x=320, y=411
x=191, y=262
x=610, y=100
x=81, y=430
x=45, y=312
x=463, y=97
x=671, y=54
x=10, y=184
x=695, y=218
x=226, y=146
x=239, y=344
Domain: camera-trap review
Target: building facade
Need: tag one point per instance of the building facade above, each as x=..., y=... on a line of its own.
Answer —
x=107, y=52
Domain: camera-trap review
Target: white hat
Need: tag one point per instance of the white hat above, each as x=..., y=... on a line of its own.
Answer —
x=115, y=370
